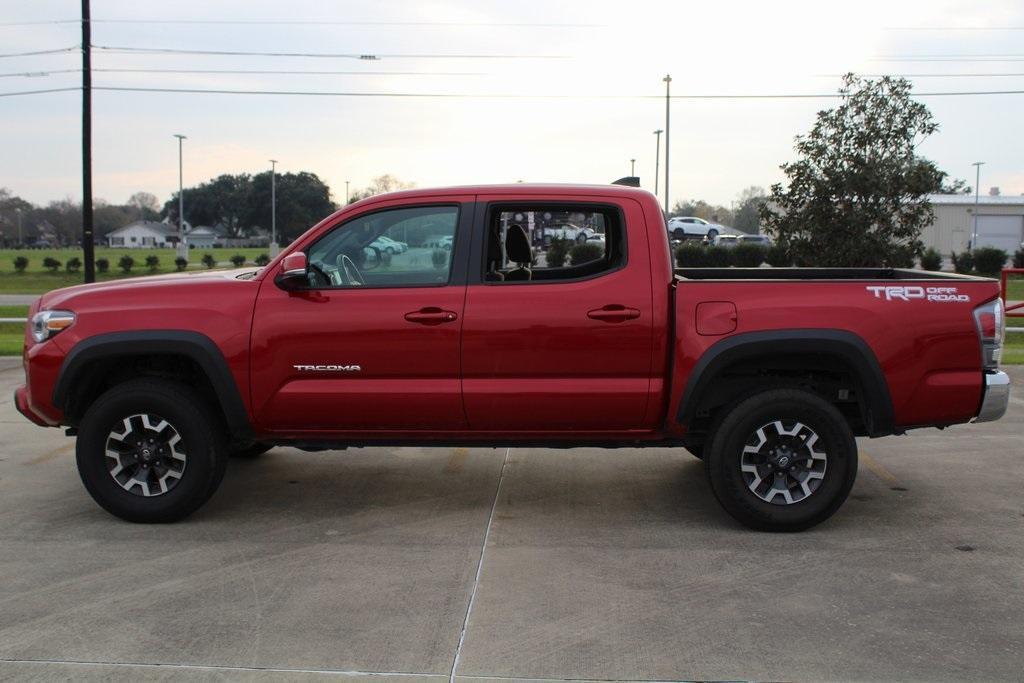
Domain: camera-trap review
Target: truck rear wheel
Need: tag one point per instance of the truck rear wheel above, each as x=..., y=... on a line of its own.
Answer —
x=150, y=451
x=782, y=460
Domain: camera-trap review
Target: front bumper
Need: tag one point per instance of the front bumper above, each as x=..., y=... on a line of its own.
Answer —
x=996, y=397
x=22, y=404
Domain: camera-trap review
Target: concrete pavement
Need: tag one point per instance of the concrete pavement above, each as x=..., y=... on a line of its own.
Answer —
x=597, y=565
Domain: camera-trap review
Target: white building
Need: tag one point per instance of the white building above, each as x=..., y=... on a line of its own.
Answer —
x=1000, y=222
x=143, y=235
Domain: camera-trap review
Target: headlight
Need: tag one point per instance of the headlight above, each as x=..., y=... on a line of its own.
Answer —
x=45, y=324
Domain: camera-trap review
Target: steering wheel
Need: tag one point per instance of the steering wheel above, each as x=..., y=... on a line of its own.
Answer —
x=352, y=274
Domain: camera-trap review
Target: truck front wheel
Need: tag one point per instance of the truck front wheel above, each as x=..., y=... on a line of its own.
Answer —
x=150, y=450
x=782, y=460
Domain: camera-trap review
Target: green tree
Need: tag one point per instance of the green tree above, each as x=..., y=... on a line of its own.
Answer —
x=380, y=185
x=747, y=210
x=857, y=194
x=222, y=201
x=302, y=201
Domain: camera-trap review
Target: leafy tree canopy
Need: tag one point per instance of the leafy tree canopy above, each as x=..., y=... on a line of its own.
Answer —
x=856, y=195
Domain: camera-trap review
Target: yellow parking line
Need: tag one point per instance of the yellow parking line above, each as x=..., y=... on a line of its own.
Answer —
x=878, y=470
x=457, y=459
x=50, y=455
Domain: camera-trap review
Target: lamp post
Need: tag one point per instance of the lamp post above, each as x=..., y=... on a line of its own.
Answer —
x=182, y=246
x=632, y=167
x=668, y=100
x=977, y=187
x=657, y=153
x=273, y=208
x=346, y=192
x=18, y=211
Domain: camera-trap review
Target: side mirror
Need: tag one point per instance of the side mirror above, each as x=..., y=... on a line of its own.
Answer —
x=293, y=272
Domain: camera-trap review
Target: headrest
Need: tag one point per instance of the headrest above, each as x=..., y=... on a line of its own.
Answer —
x=517, y=245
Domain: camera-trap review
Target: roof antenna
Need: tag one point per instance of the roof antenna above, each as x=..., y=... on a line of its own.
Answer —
x=628, y=181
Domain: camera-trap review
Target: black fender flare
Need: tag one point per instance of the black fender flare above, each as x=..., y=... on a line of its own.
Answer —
x=842, y=343
x=193, y=345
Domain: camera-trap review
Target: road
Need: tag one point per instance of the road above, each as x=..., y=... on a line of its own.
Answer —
x=581, y=564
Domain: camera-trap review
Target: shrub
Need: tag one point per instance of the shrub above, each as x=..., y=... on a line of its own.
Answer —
x=585, y=253
x=900, y=257
x=209, y=261
x=719, y=257
x=989, y=260
x=238, y=260
x=20, y=264
x=931, y=259
x=439, y=257
x=152, y=262
x=262, y=260
x=73, y=265
x=777, y=256
x=691, y=254
x=51, y=264
x=962, y=263
x=180, y=263
x=557, y=252
x=1018, y=258
x=126, y=263
x=102, y=265
x=748, y=255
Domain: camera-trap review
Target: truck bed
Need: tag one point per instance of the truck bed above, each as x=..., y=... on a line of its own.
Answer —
x=874, y=274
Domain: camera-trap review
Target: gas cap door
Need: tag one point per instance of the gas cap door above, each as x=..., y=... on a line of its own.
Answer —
x=716, y=318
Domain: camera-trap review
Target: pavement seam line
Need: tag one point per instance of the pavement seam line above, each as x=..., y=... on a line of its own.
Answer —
x=219, y=667
x=479, y=569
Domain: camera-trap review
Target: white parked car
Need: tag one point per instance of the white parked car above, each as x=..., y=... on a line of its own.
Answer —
x=728, y=241
x=683, y=227
x=760, y=240
x=568, y=231
x=388, y=245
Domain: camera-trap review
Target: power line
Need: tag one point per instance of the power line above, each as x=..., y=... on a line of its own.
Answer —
x=328, y=55
x=39, y=92
x=307, y=22
x=529, y=96
x=295, y=73
x=953, y=28
x=40, y=74
x=932, y=75
x=42, y=52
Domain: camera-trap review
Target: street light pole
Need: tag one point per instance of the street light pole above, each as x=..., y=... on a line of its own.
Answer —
x=668, y=100
x=657, y=154
x=977, y=187
x=346, y=192
x=632, y=167
x=182, y=247
x=273, y=208
x=18, y=211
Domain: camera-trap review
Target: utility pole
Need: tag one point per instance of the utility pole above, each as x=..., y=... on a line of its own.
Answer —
x=668, y=101
x=87, y=224
x=657, y=153
x=632, y=167
x=977, y=188
x=346, y=192
x=273, y=208
x=182, y=246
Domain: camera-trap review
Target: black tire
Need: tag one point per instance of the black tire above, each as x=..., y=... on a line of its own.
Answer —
x=725, y=450
x=712, y=234
x=251, y=451
x=201, y=436
x=679, y=234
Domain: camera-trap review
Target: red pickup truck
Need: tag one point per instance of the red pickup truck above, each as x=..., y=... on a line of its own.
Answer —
x=767, y=374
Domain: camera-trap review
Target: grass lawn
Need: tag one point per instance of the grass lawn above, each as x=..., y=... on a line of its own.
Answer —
x=36, y=279
x=1015, y=289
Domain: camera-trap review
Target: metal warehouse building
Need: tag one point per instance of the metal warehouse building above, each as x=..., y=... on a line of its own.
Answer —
x=1000, y=222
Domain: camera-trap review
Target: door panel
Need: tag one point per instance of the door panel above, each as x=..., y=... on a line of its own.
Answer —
x=362, y=357
x=562, y=355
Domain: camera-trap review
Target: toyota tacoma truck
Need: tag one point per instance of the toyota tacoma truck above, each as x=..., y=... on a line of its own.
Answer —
x=767, y=374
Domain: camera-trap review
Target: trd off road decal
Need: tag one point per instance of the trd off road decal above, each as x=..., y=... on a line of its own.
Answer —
x=912, y=292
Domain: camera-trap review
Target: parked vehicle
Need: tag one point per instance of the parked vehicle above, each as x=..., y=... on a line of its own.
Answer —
x=568, y=231
x=760, y=240
x=765, y=374
x=687, y=227
x=727, y=241
x=390, y=246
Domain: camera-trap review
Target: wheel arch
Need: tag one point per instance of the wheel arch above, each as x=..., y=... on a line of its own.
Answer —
x=82, y=370
x=849, y=352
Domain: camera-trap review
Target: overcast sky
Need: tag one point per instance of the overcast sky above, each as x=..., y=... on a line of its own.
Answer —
x=599, y=48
